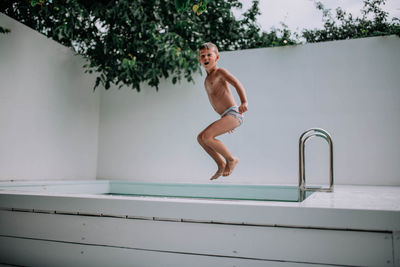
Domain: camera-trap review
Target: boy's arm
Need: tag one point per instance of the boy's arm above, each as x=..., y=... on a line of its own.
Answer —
x=239, y=89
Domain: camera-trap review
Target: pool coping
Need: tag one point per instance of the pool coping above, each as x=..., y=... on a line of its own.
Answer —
x=312, y=213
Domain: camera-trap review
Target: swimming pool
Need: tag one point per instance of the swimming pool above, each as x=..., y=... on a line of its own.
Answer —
x=127, y=188
x=78, y=223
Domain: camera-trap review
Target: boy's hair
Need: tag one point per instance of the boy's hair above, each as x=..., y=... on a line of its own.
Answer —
x=209, y=45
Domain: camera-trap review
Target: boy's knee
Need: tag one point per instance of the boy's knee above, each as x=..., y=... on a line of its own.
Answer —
x=200, y=138
x=206, y=137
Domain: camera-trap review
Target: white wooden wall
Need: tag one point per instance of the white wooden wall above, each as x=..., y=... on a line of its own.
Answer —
x=48, y=110
x=25, y=238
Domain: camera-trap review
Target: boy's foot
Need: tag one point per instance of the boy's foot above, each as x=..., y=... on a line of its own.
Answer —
x=219, y=172
x=230, y=166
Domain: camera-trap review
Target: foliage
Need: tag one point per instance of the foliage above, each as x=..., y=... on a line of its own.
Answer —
x=199, y=8
x=347, y=27
x=130, y=42
x=37, y=2
x=4, y=30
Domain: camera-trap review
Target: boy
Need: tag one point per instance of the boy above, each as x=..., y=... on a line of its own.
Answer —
x=221, y=99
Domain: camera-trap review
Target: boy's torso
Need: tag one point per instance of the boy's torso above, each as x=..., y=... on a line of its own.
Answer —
x=218, y=92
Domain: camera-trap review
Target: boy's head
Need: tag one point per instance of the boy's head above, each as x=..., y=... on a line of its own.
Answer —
x=208, y=55
x=209, y=45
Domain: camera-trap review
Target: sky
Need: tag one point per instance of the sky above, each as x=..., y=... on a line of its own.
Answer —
x=302, y=14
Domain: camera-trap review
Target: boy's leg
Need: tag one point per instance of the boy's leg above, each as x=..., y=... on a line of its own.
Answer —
x=221, y=126
x=217, y=157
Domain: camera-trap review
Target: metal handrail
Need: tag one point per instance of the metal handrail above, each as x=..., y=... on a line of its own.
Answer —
x=302, y=177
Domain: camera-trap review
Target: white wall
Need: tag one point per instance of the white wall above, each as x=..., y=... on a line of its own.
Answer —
x=48, y=111
x=350, y=88
x=49, y=116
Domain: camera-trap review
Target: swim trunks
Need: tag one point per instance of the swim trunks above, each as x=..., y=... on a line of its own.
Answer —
x=234, y=112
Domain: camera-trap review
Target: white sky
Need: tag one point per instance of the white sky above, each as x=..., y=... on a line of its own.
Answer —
x=301, y=14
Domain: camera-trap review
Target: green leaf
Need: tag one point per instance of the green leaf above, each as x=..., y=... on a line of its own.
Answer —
x=181, y=5
x=4, y=30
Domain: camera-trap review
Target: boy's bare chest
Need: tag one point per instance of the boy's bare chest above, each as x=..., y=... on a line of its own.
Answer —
x=213, y=85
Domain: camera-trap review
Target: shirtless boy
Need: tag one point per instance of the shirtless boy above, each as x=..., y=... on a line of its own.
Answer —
x=221, y=99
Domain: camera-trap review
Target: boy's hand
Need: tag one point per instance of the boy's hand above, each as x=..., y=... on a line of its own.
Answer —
x=243, y=108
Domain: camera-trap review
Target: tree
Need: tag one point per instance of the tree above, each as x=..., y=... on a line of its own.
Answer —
x=130, y=42
x=347, y=27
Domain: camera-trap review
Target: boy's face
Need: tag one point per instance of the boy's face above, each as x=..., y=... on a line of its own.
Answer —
x=208, y=58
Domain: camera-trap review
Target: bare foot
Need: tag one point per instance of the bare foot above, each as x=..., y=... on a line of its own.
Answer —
x=230, y=166
x=219, y=172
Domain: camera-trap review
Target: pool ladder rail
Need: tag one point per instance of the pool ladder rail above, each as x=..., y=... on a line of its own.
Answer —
x=303, y=189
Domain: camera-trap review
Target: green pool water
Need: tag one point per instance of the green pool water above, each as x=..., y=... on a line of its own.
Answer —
x=207, y=191
x=177, y=190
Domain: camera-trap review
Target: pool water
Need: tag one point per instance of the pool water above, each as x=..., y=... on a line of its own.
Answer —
x=286, y=193
x=207, y=191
